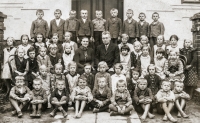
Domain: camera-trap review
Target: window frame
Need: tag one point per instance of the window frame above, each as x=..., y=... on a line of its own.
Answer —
x=185, y=1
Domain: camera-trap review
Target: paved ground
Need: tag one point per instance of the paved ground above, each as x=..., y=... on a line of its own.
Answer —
x=87, y=117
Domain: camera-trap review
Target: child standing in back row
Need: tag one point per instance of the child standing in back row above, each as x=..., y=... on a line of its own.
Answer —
x=70, y=25
x=57, y=25
x=39, y=26
x=114, y=26
x=130, y=27
x=99, y=26
x=143, y=26
x=156, y=28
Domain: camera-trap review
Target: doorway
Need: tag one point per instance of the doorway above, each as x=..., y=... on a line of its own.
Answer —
x=93, y=5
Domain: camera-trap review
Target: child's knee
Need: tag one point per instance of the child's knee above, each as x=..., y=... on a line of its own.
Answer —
x=63, y=98
x=111, y=106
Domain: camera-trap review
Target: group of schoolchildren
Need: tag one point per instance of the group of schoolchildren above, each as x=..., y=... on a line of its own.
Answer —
x=150, y=76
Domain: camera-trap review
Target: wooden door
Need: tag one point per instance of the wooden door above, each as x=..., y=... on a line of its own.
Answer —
x=93, y=5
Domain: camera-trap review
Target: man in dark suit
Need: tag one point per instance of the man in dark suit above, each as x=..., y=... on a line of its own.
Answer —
x=108, y=52
x=57, y=25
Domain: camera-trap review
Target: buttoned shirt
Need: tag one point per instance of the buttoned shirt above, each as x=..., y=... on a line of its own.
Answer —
x=161, y=94
x=99, y=24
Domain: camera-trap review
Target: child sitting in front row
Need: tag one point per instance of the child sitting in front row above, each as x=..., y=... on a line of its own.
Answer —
x=101, y=96
x=165, y=98
x=121, y=102
x=143, y=97
x=180, y=99
x=60, y=98
x=19, y=96
x=39, y=98
x=81, y=95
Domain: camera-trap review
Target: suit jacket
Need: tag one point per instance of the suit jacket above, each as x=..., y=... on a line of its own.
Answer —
x=111, y=56
x=54, y=28
x=131, y=28
x=41, y=27
x=143, y=29
x=84, y=29
x=114, y=27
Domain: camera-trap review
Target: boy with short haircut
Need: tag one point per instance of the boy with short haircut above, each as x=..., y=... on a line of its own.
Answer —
x=70, y=25
x=57, y=25
x=84, y=27
x=143, y=96
x=165, y=98
x=19, y=96
x=130, y=27
x=44, y=59
x=143, y=26
x=39, y=26
x=39, y=98
x=125, y=41
x=156, y=28
x=121, y=102
x=99, y=26
x=114, y=26
x=60, y=98
x=88, y=75
x=180, y=98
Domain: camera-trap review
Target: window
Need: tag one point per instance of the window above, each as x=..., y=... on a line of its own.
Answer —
x=190, y=1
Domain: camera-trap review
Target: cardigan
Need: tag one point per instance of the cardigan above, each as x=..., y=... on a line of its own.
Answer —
x=143, y=29
x=131, y=29
x=156, y=29
x=138, y=94
x=104, y=96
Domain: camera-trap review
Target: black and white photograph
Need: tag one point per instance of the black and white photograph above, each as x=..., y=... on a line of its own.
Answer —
x=94, y=61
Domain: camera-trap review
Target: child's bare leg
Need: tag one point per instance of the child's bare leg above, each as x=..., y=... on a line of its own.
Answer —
x=83, y=103
x=77, y=103
x=63, y=99
x=15, y=105
x=167, y=110
x=39, y=110
x=180, y=111
x=128, y=109
x=146, y=110
x=182, y=106
x=113, y=110
x=34, y=110
x=54, y=101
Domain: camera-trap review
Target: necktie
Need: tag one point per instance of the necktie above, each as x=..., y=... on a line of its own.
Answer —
x=106, y=47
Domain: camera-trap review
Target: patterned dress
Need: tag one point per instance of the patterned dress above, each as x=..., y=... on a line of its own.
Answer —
x=191, y=78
